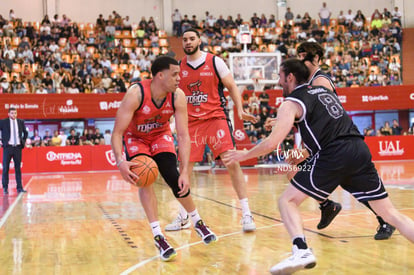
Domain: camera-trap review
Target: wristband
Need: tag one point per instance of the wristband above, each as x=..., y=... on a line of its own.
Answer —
x=119, y=162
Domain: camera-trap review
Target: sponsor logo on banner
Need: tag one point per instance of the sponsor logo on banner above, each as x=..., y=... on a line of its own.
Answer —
x=239, y=135
x=65, y=158
x=370, y=98
x=342, y=98
x=21, y=106
x=69, y=107
x=110, y=157
x=412, y=96
x=390, y=148
x=105, y=105
x=279, y=100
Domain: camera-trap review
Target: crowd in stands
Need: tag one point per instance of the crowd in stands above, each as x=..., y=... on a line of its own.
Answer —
x=60, y=138
x=359, y=50
x=57, y=55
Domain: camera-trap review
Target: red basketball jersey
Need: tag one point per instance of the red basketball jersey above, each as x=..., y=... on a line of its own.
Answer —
x=149, y=121
x=203, y=90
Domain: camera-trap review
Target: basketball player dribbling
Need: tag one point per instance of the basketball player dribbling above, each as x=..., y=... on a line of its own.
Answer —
x=142, y=127
x=203, y=79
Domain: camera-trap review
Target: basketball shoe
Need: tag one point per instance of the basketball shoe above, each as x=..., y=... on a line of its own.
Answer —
x=300, y=259
x=328, y=213
x=178, y=224
x=248, y=223
x=384, y=232
x=167, y=252
x=205, y=233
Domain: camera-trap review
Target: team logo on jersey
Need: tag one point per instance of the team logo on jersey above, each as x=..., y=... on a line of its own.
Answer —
x=146, y=110
x=197, y=97
x=185, y=73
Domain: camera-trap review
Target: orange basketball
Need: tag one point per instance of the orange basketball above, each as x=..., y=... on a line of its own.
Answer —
x=146, y=169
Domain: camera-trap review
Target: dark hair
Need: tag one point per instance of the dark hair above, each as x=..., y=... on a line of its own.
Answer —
x=192, y=30
x=162, y=63
x=311, y=49
x=12, y=109
x=297, y=68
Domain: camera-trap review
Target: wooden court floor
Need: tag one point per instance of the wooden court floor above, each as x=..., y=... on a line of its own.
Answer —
x=93, y=223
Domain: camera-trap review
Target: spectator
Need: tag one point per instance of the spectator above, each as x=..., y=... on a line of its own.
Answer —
x=386, y=130
x=324, y=15
x=73, y=138
x=107, y=137
x=56, y=139
x=396, y=128
x=288, y=15
x=47, y=137
x=396, y=15
x=63, y=137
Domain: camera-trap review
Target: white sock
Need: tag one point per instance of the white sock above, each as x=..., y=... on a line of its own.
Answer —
x=195, y=217
x=245, y=207
x=183, y=212
x=156, y=228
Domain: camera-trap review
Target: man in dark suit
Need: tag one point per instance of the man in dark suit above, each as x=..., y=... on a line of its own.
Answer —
x=14, y=135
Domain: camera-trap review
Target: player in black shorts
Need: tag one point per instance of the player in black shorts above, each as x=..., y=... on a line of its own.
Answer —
x=310, y=53
x=338, y=157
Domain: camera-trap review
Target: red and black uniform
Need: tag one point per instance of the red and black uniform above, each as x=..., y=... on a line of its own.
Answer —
x=149, y=131
x=208, y=120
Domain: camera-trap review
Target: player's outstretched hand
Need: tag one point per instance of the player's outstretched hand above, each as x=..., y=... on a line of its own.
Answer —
x=127, y=174
x=233, y=156
x=183, y=184
x=249, y=117
x=269, y=123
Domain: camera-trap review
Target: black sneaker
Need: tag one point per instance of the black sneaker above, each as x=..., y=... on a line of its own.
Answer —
x=384, y=232
x=329, y=212
x=204, y=232
x=167, y=252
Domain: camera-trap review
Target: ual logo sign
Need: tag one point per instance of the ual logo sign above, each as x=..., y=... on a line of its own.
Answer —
x=390, y=148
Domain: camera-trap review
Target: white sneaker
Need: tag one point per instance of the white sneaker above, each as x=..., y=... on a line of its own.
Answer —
x=248, y=223
x=300, y=259
x=178, y=224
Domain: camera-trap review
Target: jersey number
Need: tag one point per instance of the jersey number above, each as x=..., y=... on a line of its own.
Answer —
x=332, y=105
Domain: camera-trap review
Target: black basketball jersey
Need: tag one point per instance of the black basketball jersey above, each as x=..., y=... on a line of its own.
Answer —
x=324, y=119
x=320, y=73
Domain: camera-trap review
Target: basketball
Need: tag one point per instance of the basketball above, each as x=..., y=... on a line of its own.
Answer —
x=146, y=169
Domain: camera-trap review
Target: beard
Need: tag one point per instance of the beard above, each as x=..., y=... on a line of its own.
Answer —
x=285, y=91
x=189, y=51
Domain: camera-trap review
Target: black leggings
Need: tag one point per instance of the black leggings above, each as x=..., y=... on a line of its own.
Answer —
x=167, y=165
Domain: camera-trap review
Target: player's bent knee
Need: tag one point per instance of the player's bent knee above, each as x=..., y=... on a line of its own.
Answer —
x=167, y=165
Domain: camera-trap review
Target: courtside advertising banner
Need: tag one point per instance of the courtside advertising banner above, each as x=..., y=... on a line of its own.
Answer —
x=69, y=106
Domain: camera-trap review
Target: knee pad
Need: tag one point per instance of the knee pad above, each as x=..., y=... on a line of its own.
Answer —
x=167, y=165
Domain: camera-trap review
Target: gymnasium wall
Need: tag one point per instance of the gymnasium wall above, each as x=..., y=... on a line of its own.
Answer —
x=87, y=11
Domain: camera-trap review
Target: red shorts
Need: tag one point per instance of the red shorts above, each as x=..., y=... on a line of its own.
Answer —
x=159, y=144
x=216, y=133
